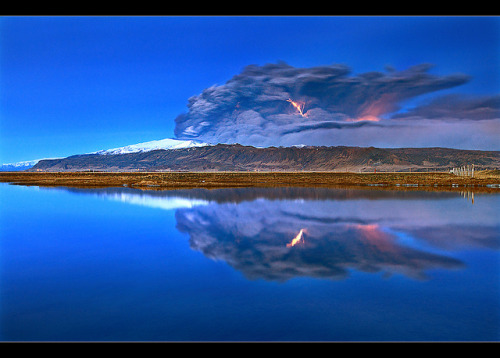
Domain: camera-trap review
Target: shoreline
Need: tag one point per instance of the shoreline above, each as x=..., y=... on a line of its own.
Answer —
x=484, y=181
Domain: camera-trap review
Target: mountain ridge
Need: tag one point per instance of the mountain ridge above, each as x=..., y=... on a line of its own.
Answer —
x=167, y=143
x=237, y=157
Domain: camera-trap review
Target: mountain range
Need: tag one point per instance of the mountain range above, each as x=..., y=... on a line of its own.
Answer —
x=19, y=166
x=133, y=148
x=177, y=155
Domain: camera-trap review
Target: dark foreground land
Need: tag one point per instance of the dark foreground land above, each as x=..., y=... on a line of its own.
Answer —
x=485, y=181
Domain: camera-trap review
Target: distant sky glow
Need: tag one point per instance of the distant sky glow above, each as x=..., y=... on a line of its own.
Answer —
x=73, y=85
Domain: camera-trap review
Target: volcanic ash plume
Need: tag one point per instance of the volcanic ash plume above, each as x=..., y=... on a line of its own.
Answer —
x=278, y=104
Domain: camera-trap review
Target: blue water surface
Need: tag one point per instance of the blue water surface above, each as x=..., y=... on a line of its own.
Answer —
x=121, y=264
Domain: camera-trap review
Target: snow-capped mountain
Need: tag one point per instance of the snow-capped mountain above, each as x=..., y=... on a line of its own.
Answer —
x=12, y=167
x=153, y=145
x=236, y=157
x=133, y=148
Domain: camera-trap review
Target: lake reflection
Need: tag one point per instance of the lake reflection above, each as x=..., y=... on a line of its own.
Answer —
x=282, y=233
x=248, y=264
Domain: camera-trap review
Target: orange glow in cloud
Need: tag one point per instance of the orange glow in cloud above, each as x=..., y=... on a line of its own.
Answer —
x=297, y=239
x=372, y=111
x=364, y=118
x=299, y=106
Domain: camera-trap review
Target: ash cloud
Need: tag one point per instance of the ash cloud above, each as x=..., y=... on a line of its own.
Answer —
x=340, y=108
x=456, y=107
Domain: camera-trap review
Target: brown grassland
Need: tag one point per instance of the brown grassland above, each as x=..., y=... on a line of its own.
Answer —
x=483, y=181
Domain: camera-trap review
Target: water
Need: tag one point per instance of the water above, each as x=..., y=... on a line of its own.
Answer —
x=218, y=265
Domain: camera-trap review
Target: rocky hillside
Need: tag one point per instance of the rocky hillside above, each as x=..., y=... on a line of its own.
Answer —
x=223, y=157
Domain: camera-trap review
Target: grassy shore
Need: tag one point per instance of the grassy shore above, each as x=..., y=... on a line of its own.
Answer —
x=488, y=180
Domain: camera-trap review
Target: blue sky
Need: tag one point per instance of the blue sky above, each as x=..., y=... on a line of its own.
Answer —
x=72, y=85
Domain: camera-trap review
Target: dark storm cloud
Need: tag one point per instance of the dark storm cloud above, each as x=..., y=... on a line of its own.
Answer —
x=252, y=107
x=328, y=125
x=456, y=107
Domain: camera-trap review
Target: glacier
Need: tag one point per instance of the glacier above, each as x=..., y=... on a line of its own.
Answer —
x=166, y=144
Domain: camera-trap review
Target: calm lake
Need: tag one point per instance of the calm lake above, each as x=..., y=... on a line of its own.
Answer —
x=268, y=264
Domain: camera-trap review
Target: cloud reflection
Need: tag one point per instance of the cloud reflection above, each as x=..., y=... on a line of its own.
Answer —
x=254, y=239
x=337, y=231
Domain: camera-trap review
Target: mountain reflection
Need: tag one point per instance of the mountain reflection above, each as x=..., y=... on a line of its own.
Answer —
x=282, y=233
